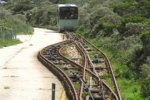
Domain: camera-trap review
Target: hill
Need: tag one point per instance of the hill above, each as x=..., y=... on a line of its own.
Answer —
x=12, y=24
x=121, y=28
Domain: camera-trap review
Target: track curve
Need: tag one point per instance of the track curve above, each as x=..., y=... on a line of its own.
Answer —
x=79, y=81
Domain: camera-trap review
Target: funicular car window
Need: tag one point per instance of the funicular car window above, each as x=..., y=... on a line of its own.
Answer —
x=68, y=13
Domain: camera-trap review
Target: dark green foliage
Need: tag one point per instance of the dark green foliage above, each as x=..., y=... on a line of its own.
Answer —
x=121, y=29
x=110, y=22
x=146, y=40
x=145, y=8
x=14, y=25
x=142, y=55
x=37, y=12
x=146, y=88
x=135, y=28
x=22, y=6
x=43, y=15
x=10, y=26
x=134, y=19
x=125, y=8
x=146, y=78
x=145, y=68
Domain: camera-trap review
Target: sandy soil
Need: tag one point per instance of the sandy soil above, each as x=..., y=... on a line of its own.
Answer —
x=22, y=76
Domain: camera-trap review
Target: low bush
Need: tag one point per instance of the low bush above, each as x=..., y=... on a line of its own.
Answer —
x=135, y=28
x=11, y=25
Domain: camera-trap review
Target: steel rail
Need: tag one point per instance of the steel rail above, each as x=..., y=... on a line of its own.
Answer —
x=69, y=87
x=68, y=84
x=84, y=67
x=109, y=66
x=90, y=72
x=88, y=58
x=91, y=64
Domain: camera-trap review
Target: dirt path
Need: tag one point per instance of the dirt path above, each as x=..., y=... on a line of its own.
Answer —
x=22, y=76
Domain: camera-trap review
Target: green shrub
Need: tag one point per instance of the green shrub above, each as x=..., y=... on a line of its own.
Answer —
x=146, y=88
x=99, y=13
x=144, y=6
x=45, y=15
x=11, y=25
x=135, y=28
x=110, y=22
x=145, y=68
x=146, y=43
x=126, y=7
x=22, y=6
x=133, y=19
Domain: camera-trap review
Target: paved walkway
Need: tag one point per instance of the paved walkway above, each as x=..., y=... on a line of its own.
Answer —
x=22, y=76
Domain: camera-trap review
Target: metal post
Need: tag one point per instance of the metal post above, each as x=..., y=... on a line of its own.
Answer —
x=53, y=91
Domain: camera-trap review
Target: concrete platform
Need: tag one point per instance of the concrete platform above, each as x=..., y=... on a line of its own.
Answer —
x=22, y=76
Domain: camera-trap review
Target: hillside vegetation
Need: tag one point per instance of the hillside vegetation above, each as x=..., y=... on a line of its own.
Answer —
x=12, y=25
x=121, y=28
x=38, y=13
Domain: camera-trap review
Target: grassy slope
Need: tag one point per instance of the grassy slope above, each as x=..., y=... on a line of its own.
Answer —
x=94, y=22
x=130, y=89
x=116, y=28
x=5, y=43
x=12, y=25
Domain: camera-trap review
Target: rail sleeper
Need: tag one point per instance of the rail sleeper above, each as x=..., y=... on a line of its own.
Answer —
x=70, y=91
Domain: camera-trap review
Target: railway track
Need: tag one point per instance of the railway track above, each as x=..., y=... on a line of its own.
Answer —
x=85, y=71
